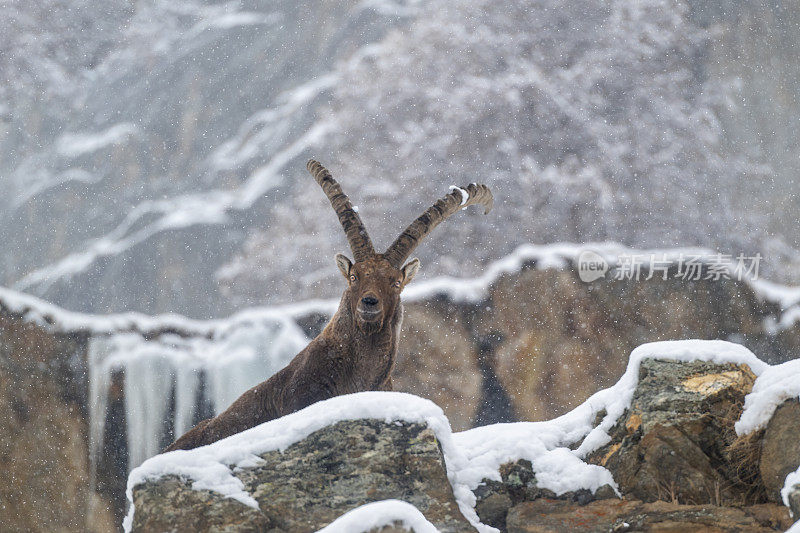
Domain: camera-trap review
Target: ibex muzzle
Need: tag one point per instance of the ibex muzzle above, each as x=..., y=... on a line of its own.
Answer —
x=357, y=349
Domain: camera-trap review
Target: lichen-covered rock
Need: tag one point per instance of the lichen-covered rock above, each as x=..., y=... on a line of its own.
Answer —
x=315, y=481
x=780, y=448
x=601, y=516
x=674, y=442
x=170, y=504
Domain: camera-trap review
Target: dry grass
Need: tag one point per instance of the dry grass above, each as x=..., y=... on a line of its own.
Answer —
x=744, y=456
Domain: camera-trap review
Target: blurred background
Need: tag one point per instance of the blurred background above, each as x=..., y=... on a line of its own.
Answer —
x=152, y=153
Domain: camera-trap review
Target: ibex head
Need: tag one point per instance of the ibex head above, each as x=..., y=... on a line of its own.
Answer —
x=376, y=280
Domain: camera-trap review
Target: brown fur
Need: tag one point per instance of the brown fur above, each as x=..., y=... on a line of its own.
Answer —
x=350, y=355
x=357, y=349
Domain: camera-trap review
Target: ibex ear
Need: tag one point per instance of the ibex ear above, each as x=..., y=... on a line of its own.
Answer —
x=344, y=265
x=410, y=270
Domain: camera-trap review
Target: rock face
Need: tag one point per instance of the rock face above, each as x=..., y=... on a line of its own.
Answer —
x=674, y=455
x=780, y=449
x=674, y=449
x=44, y=453
x=315, y=481
x=518, y=485
x=557, y=329
x=602, y=516
x=437, y=359
x=675, y=442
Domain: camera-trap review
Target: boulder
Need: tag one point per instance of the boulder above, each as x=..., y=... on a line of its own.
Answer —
x=780, y=449
x=674, y=442
x=601, y=516
x=313, y=482
x=518, y=484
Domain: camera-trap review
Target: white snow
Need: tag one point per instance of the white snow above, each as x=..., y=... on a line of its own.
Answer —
x=784, y=295
x=774, y=385
x=464, y=194
x=544, y=256
x=618, y=397
x=379, y=514
x=549, y=256
x=76, y=144
x=791, y=480
x=545, y=444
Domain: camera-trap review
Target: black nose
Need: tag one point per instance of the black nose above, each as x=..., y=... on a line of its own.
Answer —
x=369, y=300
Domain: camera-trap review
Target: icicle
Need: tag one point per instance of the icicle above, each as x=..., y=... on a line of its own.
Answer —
x=247, y=356
x=99, y=381
x=239, y=357
x=148, y=383
x=187, y=381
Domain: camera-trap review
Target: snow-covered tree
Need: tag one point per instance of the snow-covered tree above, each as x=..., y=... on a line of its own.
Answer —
x=590, y=121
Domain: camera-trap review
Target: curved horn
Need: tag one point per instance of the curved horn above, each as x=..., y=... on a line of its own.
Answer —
x=357, y=235
x=455, y=200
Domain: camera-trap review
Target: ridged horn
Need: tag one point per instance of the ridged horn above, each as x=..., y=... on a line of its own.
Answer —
x=356, y=233
x=457, y=199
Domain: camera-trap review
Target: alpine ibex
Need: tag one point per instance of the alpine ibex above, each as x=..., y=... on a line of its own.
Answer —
x=356, y=350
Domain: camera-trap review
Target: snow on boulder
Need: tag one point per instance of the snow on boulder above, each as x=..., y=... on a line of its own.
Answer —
x=377, y=515
x=303, y=471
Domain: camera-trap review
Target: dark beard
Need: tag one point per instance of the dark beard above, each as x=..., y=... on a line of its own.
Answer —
x=370, y=328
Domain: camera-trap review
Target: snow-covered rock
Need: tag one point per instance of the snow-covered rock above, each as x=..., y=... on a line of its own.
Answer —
x=304, y=470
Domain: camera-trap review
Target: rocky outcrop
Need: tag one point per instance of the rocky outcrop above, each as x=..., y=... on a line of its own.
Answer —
x=44, y=453
x=518, y=485
x=313, y=482
x=559, y=340
x=780, y=448
x=676, y=458
x=557, y=516
x=674, y=455
x=676, y=442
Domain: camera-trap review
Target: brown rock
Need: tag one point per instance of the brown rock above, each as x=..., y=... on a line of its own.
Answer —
x=558, y=516
x=44, y=454
x=314, y=481
x=780, y=450
x=565, y=339
x=437, y=359
x=672, y=444
x=170, y=504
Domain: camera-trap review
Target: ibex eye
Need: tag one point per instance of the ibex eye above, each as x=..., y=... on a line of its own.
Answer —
x=352, y=278
x=397, y=283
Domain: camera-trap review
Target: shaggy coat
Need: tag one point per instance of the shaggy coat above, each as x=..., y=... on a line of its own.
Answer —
x=356, y=351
